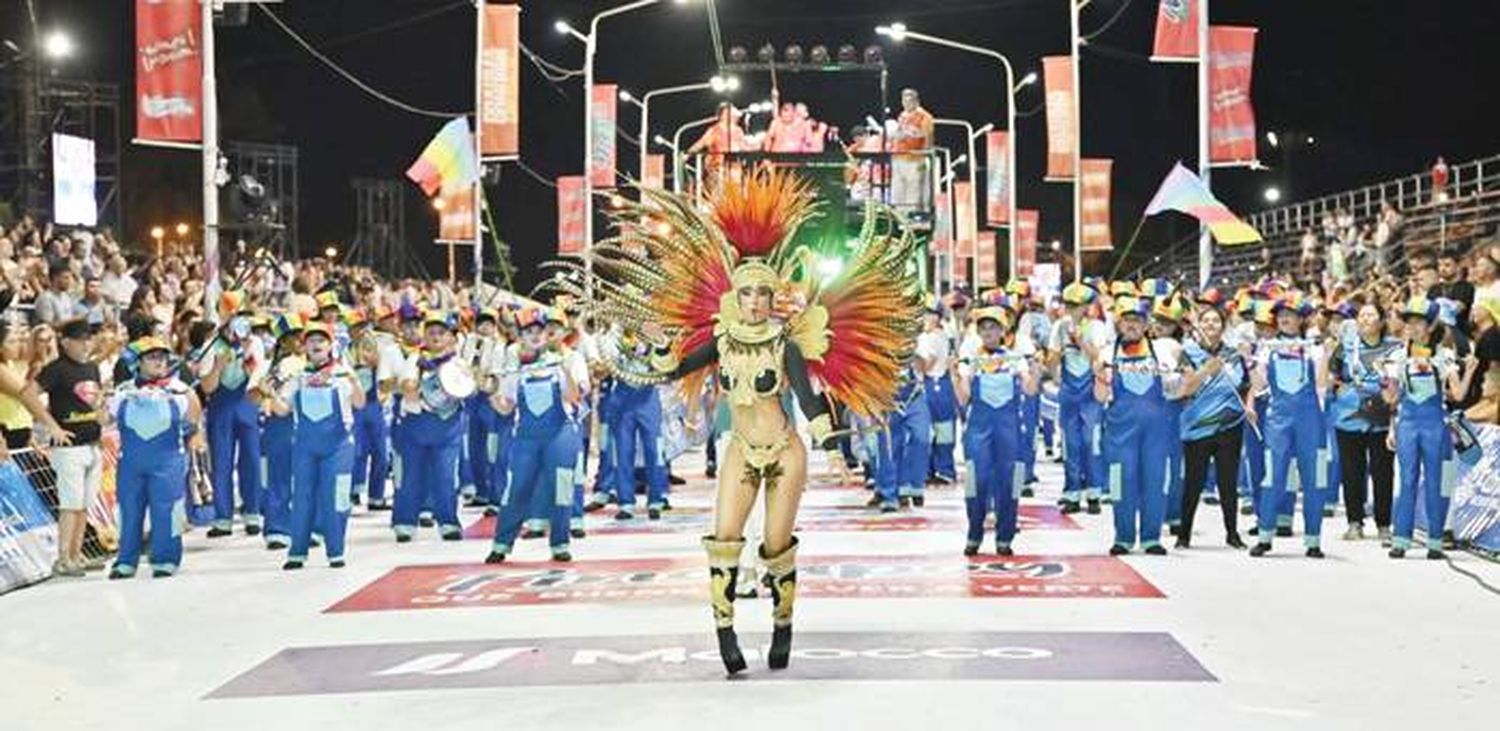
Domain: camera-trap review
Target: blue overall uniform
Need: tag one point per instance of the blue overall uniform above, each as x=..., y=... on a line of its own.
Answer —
x=151, y=477
x=372, y=457
x=233, y=425
x=500, y=438
x=876, y=444
x=543, y=456
x=637, y=424
x=322, y=463
x=480, y=443
x=1424, y=452
x=429, y=441
x=1137, y=439
x=911, y=438
x=1293, y=430
x=1359, y=372
x=1038, y=327
x=992, y=436
x=1175, y=408
x=942, y=405
x=604, y=479
x=276, y=474
x=1082, y=417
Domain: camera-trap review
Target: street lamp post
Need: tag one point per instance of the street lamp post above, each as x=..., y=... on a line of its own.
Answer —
x=970, y=134
x=898, y=32
x=158, y=233
x=677, y=149
x=719, y=84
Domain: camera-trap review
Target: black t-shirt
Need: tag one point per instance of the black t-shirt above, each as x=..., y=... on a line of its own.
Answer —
x=1487, y=350
x=71, y=389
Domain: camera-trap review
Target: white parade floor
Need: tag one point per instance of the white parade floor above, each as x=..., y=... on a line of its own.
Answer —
x=920, y=638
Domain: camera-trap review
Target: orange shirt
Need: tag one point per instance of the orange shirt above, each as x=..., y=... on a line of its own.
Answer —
x=919, y=120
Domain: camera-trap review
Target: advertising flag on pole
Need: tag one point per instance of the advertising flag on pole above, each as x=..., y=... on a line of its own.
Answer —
x=1177, y=31
x=447, y=163
x=570, y=214
x=1096, y=190
x=1231, y=118
x=1184, y=192
x=1027, y=224
x=602, y=159
x=169, y=71
x=961, y=261
x=996, y=187
x=456, y=216
x=655, y=173
x=965, y=218
x=500, y=82
x=942, y=224
x=988, y=274
x=1062, y=117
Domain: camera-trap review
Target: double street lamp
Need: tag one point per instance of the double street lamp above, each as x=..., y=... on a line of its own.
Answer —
x=718, y=84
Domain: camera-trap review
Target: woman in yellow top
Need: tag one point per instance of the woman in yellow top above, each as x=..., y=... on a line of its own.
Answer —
x=18, y=408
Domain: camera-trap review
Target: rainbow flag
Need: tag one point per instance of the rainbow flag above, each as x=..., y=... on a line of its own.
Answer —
x=1185, y=192
x=447, y=164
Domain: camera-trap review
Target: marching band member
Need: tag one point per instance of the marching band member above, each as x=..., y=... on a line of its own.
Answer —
x=155, y=412
x=1212, y=422
x=1167, y=314
x=234, y=363
x=1419, y=375
x=636, y=422
x=481, y=351
x=321, y=401
x=1032, y=331
x=1077, y=341
x=1361, y=419
x=1131, y=384
x=1260, y=325
x=935, y=353
x=990, y=385
x=911, y=436
x=430, y=433
x=541, y=385
x=373, y=430
x=1293, y=368
x=276, y=438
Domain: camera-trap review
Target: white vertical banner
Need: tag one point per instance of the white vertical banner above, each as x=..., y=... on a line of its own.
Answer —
x=73, y=179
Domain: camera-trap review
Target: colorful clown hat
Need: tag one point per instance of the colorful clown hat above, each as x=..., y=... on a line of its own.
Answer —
x=1293, y=302
x=150, y=344
x=1131, y=305
x=998, y=314
x=1155, y=288
x=1122, y=289
x=1263, y=312
x=1019, y=288
x=1079, y=294
x=328, y=299
x=233, y=302
x=1212, y=297
x=1422, y=307
x=532, y=316
x=289, y=324
x=317, y=327
x=446, y=318
x=1171, y=308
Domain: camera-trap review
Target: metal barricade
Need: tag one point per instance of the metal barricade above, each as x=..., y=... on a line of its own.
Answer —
x=102, y=536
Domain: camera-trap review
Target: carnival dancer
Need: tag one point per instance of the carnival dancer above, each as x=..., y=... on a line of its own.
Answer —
x=155, y=412
x=1292, y=366
x=235, y=362
x=431, y=432
x=321, y=400
x=1212, y=421
x=1076, y=344
x=1361, y=420
x=540, y=385
x=636, y=423
x=935, y=355
x=991, y=382
x=724, y=289
x=1420, y=374
x=276, y=437
x=1131, y=384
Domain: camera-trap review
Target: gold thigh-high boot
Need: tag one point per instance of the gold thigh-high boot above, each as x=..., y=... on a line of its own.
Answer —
x=782, y=570
x=723, y=571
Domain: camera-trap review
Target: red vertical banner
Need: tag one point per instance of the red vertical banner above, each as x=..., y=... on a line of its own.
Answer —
x=655, y=173
x=1096, y=190
x=961, y=263
x=168, y=71
x=1062, y=117
x=942, y=224
x=996, y=186
x=456, y=216
x=500, y=82
x=602, y=157
x=1231, y=117
x=987, y=270
x=570, y=214
x=1027, y=224
x=1176, y=31
x=965, y=218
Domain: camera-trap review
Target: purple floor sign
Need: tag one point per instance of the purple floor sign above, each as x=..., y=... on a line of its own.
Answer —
x=573, y=661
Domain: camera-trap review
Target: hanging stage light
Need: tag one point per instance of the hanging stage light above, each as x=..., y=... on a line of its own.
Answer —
x=766, y=54
x=819, y=55
x=738, y=54
x=794, y=54
x=848, y=54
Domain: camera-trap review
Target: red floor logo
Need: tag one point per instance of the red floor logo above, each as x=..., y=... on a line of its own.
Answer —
x=685, y=579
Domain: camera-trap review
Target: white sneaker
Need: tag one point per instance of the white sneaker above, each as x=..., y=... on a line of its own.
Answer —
x=67, y=569
x=1356, y=532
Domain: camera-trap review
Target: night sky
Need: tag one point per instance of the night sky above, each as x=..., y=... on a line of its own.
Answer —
x=1383, y=86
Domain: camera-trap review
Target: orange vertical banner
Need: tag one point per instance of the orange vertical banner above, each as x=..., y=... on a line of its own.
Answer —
x=965, y=218
x=961, y=263
x=500, y=82
x=942, y=224
x=1027, y=225
x=1062, y=117
x=996, y=186
x=602, y=157
x=456, y=217
x=987, y=268
x=1176, y=31
x=1096, y=190
x=570, y=214
x=1231, y=117
x=655, y=173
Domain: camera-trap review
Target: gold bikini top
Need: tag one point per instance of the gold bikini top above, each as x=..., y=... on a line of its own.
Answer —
x=751, y=370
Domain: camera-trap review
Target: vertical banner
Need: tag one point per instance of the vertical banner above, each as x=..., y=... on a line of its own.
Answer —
x=965, y=218
x=1062, y=117
x=655, y=173
x=73, y=200
x=987, y=272
x=942, y=224
x=1027, y=224
x=1176, y=31
x=456, y=216
x=500, y=82
x=1231, y=117
x=1096, y=190
x=961, y=261
x=602, y=158
x=570, y=214
x=168, y=71
x=996, y=187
